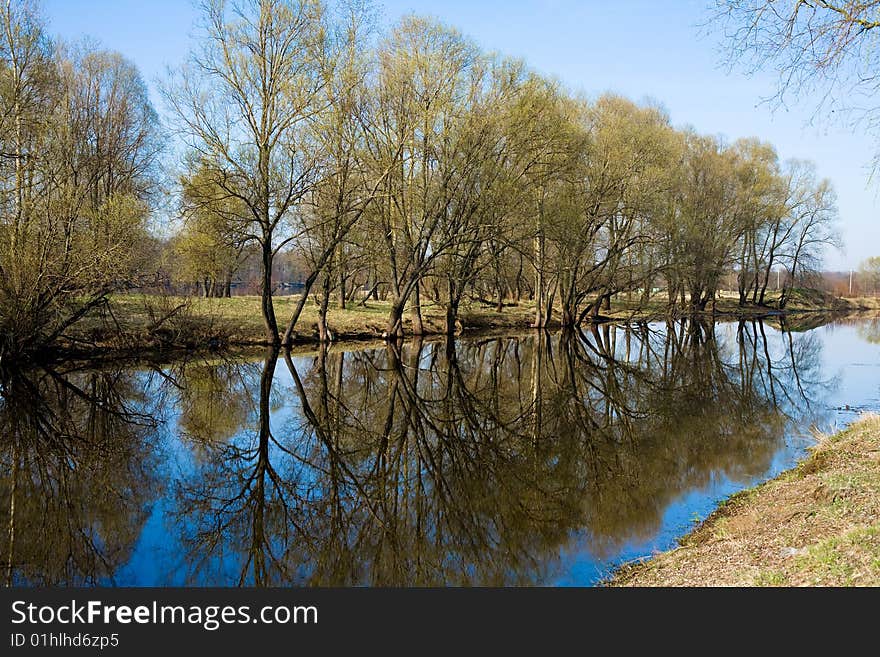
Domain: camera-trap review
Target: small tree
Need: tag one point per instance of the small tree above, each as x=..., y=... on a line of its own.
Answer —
x=210, y=249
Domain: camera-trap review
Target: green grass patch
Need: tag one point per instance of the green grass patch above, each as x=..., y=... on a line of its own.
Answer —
x=849, y=560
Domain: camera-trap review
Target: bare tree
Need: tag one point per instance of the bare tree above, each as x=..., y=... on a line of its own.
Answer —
x=430, y=77
x=813, y=218
x=242, y=104
x=343, y=188
x=824, y=47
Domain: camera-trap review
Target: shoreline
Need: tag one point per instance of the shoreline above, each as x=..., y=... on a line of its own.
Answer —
x=235, y=323
x=816, y=524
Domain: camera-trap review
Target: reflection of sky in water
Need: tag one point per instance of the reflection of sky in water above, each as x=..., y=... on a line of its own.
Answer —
x=856, y=363
x=848, y=373
x=157, y=559
x=850, y=364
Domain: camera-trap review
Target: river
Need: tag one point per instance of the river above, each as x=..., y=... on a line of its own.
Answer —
x=530, y=459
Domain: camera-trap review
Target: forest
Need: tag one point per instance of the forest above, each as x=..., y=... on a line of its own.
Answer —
x=303, y=145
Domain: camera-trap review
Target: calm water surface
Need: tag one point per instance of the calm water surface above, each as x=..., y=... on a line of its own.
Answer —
x=520, y=460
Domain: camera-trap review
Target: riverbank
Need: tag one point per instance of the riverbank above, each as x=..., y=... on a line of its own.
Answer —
x=141, y=322
x=815, y=525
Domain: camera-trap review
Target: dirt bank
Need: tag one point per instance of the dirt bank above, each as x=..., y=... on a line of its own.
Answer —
x=815, y=525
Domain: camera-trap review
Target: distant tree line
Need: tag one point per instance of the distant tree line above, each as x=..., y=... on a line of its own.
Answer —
x=409, y=165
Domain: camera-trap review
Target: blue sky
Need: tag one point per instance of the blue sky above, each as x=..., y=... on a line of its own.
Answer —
x=639, y=48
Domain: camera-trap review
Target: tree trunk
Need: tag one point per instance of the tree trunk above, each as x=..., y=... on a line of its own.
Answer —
x=499, y=285
x=540, y=319
x=324, y=332
x=418, y=327
x=547, y=310
x=341, y=280
x=766, y=280
x=372, y=285
x=451, y=318
x=395, y=320
x=519, y=273
x=451, y=307
x=268, y=309
x=297, y=311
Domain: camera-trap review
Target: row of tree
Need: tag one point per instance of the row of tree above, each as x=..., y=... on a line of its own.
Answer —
x=416, y=163
x=408, y=164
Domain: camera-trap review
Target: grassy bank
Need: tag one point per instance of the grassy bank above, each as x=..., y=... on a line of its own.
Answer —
x=132, y=322
x=815, y=525
x=238, y=320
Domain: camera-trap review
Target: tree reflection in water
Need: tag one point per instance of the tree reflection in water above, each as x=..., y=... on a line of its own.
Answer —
x=79, y=473
x=484, y=461
x=480, y=462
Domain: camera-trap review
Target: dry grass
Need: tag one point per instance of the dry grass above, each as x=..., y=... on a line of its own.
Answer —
x=865, y=303
x=816, y=525
x=239, y=319
x=135, y=320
